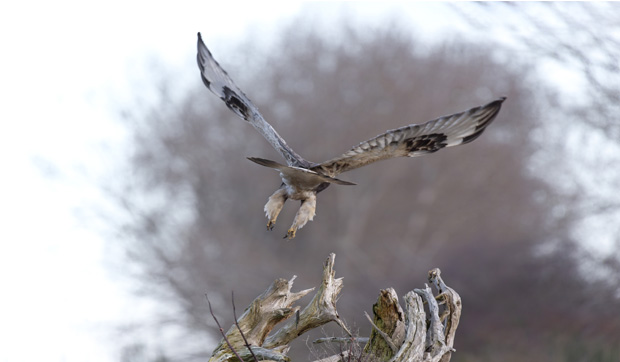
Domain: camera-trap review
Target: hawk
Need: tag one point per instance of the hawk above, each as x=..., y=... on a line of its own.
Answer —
x=303, y=180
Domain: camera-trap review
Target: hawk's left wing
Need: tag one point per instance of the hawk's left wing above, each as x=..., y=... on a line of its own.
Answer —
x=218, y=82
x=416, y=139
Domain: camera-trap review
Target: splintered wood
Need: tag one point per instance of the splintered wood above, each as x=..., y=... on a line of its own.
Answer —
x=421, y=332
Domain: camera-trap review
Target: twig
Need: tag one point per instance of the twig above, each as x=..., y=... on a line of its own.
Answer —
x=350, y=351
x=232, y=294
x=341, y=340
x=222, y=330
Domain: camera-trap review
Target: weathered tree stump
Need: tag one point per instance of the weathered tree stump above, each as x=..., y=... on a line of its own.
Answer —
x=398, y=335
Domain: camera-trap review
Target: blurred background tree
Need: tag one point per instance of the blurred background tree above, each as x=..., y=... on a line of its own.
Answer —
x=488, y=213
x=580, y=45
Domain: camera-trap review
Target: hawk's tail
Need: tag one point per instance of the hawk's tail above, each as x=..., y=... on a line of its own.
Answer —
x=267, y=163
x=292, y=170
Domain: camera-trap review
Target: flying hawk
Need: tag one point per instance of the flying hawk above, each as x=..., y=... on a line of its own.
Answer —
x=302, y=179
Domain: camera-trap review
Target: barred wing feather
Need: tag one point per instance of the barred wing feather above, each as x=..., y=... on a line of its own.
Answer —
x=416, y=139
x=217, y=81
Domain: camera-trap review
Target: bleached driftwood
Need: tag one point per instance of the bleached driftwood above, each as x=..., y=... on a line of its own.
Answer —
x=398, y=335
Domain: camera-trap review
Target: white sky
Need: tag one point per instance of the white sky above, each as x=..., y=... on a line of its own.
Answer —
x=66, y=68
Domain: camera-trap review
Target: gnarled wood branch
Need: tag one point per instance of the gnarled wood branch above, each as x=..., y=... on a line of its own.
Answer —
x=398, y=335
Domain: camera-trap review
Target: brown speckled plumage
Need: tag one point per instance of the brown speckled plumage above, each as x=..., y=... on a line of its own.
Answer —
x=302, y=180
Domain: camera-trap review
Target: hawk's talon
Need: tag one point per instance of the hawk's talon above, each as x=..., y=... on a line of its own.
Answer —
x=271, y=224
x=290, y=234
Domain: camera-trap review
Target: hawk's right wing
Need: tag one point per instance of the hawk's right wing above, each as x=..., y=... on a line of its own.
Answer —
x=218, y=82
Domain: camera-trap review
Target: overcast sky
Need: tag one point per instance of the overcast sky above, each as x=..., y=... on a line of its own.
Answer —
x=67, y=67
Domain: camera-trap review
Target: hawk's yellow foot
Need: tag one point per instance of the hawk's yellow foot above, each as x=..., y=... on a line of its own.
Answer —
x=290, y=234
x=271, y=224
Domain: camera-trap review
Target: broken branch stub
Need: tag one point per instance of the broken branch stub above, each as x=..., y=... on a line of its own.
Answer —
x=398, y=335
x=388, y=331
x=426, y=338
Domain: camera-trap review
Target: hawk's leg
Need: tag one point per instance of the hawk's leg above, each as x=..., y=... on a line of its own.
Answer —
x=274, y=206
x=304, y=214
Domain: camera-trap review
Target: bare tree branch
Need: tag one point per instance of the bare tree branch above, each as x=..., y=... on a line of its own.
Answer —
x=341, y=340
x=221, y=329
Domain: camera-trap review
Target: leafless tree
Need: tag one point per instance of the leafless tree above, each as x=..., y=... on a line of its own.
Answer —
x=584, y=37
x=581, y=42
x=194, y=203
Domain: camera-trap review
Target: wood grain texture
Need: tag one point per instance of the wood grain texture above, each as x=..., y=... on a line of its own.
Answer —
x=399, y=335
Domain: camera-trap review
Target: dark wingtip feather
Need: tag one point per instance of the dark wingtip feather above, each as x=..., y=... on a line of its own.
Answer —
x=496, y=104
x=473, y=136
x=200, y=40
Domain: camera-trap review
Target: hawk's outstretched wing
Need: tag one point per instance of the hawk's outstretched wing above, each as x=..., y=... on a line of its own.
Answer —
x=416, y=139
x=218, y=82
